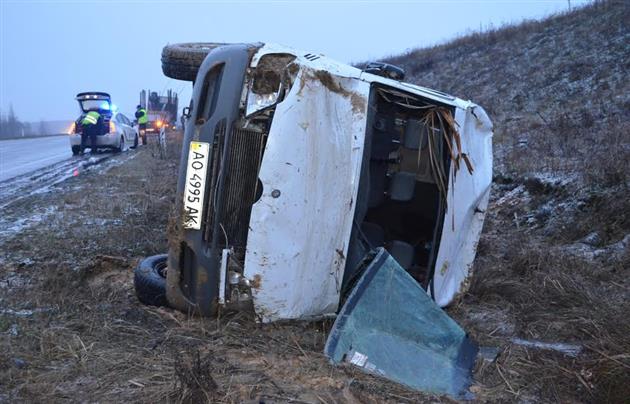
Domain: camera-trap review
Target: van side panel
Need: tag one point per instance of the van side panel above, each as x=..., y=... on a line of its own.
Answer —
x=467, y=201
x=299, y=228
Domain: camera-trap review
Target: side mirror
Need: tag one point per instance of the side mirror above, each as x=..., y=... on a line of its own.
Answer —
x=133, y=124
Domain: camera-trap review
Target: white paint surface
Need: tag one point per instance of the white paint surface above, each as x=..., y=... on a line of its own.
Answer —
x=466, y=206
x=298, y=241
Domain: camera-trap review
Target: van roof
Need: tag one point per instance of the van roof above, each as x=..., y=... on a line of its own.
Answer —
x=321, y=62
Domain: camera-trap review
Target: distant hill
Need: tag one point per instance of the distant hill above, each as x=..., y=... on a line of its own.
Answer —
x=558, y=88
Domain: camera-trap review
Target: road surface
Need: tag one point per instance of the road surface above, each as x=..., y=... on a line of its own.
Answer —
x=21, y=156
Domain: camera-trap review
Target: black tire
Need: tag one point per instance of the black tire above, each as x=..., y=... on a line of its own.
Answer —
x=135, y=142
x=181, y=61
x=121, y=145
x=76, y=150
x=149, y=280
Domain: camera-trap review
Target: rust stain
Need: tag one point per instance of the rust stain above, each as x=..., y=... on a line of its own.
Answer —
x=175, y=230
x=293, y=69
x=202, y=277
x=358, y=102
x=256, y=282
x=302, y=85
x=465, y=285
x=444, y=268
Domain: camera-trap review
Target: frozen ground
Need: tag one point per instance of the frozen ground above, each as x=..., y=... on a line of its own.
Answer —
x=71, y=328
x=21, y=156
x=550, y=291
x=41, y=180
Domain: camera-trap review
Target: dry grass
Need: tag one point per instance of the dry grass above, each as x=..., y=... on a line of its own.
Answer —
x=535, y=278
x=531, y=286
x=94, y=341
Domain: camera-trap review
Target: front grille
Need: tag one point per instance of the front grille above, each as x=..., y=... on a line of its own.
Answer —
x=244, y=157
x=213, y=178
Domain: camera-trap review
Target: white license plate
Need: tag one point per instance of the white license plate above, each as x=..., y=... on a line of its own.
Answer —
x=195, y=184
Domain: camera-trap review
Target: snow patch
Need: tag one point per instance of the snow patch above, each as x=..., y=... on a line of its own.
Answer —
x=25, y=222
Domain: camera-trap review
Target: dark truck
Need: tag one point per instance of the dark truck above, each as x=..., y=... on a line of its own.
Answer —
x=161, y=109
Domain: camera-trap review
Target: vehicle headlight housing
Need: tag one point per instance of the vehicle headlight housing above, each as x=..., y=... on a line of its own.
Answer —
x=267, y=83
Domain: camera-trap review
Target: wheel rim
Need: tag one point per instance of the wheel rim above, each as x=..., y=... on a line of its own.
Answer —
x=161, y=268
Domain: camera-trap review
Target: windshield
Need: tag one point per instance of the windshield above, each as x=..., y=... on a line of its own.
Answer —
x=87, y=105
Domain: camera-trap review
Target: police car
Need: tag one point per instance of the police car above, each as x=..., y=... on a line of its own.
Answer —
x=116, y=131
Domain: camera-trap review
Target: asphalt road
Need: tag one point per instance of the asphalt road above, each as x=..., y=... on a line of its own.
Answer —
x=21, y=156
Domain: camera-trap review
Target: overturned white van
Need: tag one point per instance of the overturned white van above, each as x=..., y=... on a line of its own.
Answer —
x=299, y=174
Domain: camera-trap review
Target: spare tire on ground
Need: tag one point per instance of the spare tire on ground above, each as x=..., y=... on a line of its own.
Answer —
x=149, y=280
x=181, y=61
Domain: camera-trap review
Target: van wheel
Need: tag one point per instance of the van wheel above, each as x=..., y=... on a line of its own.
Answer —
x=181, y=61
x=149, y=280
x=76, y=150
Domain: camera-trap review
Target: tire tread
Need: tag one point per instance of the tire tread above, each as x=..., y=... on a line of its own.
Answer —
x=182, y=61
x=150, y=286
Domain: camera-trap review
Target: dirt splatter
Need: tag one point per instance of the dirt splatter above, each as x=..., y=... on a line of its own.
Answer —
x=330, y=83
x=256, y=282
x=356, y=99
x=358, y=103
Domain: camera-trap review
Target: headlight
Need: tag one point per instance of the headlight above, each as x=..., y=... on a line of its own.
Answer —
x=266, y=83
x=256, y=102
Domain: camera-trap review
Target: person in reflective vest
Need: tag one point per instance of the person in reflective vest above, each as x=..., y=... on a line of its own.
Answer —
x=91, y=124
x=143, y=119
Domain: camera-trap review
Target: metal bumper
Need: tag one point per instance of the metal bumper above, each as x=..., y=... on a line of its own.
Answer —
x=194, y=258
x=107, y=140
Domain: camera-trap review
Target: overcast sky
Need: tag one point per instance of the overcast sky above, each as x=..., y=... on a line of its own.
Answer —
x=51, y=50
